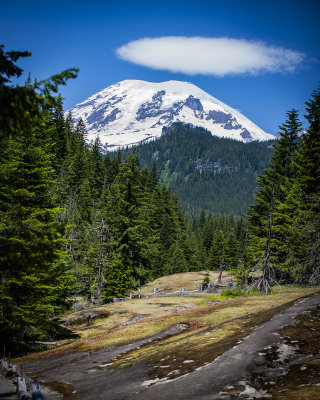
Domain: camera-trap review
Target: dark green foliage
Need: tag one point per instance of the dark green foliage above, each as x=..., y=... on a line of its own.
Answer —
x=232, y=252
x=21, y=106
x=217, y=252
x=265, y=237
x=308, y=156
x=33, y=281
x=303, y=204
x=206, y=172
x=206, y=279
x=220, y=241
x=118, y=282
x=284, y=222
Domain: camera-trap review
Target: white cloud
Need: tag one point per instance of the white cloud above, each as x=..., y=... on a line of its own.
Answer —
x=210, y=56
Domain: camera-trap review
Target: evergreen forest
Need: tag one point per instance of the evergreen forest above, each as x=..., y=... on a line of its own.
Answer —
x=206, y=172
x=75, y=224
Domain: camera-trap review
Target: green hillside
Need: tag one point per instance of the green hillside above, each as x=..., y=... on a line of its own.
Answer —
x=206, y=172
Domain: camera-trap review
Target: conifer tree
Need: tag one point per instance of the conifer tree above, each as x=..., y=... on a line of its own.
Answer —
x=33, y=280
x=231, y=252
x=176, y=261
x=266, y=237
x=308, y=156
x=216, y=254
x=303, y=235
x=97, y=178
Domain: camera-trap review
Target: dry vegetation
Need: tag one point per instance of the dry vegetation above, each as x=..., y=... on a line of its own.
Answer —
x=187, y=280
x=212, y=325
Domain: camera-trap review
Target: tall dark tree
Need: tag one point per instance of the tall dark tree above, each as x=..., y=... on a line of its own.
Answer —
x=303, y=235
x=33, y=280
x=266, y=237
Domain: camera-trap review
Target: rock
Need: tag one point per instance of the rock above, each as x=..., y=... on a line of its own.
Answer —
x=85, y=317
x=194, y=103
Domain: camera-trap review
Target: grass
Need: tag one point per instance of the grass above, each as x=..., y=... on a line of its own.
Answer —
x=187, y=280
x=210, y=329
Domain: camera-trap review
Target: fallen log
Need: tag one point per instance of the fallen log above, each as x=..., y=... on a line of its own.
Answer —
x=45, y=343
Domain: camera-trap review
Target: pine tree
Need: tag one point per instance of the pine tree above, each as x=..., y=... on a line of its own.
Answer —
x=267, y=241
x=217, y=252
x=304, y=205
x=176, y=261
x=118, y=280
x=232, y=252
x=308, y=156
x=33, y=281
x=121, y=211
x=98, y=178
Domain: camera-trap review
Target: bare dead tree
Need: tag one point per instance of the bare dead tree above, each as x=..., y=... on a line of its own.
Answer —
x=100, y=260
x=222, y=262
x=264, y=283
x=267, y=277
x=91, y=242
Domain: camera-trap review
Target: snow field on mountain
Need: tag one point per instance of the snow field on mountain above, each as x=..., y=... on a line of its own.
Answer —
x=132, y=111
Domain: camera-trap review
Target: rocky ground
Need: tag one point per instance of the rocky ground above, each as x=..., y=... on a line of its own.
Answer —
x=273, y=353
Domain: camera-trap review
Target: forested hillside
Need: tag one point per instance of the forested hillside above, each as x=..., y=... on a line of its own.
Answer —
x=204, y=171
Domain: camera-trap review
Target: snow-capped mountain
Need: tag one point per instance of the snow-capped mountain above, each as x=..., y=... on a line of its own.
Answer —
x=133, y=111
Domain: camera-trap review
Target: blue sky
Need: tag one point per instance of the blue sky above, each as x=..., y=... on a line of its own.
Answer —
x=87, y=34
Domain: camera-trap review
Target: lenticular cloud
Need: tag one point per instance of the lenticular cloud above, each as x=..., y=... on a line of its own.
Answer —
x=210, y=56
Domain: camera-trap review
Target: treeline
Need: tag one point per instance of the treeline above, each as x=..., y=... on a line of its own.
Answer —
x=205, y=171
x=284, y=224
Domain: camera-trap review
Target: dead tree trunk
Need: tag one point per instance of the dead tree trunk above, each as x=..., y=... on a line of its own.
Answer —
x=91, y=250
x=222, y=261
x=267, y=275
x=100, y=260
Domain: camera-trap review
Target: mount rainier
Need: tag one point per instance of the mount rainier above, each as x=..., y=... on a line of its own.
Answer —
x=132, y=111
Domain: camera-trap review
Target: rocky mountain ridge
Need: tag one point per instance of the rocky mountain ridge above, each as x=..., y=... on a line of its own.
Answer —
x=132, y=112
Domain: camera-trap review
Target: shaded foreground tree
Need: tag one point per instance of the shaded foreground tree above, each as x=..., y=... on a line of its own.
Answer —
x=33, y=282
x=303, y=237
x=284, y=222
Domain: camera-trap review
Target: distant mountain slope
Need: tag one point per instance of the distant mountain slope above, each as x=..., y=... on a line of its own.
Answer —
x=132, y=111
x=205, y=171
